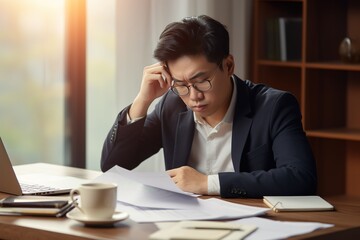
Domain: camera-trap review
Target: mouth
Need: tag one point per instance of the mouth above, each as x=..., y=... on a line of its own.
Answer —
x=198, y=108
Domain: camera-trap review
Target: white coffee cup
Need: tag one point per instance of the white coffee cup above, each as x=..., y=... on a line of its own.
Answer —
x=97, y=200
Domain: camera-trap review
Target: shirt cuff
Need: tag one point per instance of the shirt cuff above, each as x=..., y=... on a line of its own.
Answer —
x=129, y=120
x=213, y=185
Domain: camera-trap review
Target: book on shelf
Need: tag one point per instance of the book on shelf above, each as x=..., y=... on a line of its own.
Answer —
x=56, y=206
x=297, y=203
x=272, y=40
x=283, y=39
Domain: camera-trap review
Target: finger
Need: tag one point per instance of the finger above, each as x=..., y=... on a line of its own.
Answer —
x=166, y=73
x=155, y=77
x=171, y=173
x=163, y=77
x=166, y=77
x=174, y=179
x=156, y=68
x=162, y=69
x=162, y=72
x=162, y=80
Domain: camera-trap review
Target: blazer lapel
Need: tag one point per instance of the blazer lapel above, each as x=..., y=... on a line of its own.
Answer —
x=241, y=123
x=184, y=138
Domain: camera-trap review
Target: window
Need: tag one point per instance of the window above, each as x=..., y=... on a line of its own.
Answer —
x=32, y=80
x=101, y=90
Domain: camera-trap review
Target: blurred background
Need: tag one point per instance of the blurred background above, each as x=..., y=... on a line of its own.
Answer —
x=67, y=67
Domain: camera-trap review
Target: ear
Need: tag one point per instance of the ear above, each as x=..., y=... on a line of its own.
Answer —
x=229, y=65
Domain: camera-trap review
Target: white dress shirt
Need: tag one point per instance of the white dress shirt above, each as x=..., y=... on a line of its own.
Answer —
x=211, y=148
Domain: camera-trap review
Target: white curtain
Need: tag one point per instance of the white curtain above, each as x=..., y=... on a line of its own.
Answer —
x=138, y=26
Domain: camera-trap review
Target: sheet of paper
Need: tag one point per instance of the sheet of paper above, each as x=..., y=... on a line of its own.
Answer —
x=153, y=197
x=154, y=179
x=271, y=229
x=138, y=194
x=227, y=210
x=208, y=209
x=268, y=229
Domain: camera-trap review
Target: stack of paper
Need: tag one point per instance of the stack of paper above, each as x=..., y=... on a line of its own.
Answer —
x=154, y=197
x=271, y=229
x=266, y=229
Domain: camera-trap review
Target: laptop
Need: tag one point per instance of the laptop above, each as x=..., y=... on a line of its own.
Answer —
x=32, y=183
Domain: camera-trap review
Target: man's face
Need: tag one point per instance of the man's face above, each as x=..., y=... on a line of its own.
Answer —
x=212, y=103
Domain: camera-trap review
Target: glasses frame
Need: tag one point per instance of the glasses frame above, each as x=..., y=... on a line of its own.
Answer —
x=194, y=84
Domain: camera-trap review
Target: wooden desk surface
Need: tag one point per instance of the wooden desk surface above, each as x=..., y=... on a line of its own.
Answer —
x=346, y=217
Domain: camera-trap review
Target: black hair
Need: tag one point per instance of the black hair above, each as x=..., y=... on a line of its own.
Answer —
x=193, y=36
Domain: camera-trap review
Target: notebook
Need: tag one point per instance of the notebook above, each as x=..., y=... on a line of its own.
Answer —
x=297, y=203
x=32, y=183
x=52, y=206
x=204, y=230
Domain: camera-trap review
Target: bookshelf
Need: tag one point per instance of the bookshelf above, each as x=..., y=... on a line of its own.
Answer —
x=327, y=89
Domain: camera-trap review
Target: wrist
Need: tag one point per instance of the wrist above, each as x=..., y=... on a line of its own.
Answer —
x=139, y=108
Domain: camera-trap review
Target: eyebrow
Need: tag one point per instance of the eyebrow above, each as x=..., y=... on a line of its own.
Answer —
x=199, y=74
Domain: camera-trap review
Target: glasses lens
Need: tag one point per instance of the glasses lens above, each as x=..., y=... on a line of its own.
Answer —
x=203, y=86
x=180, y=90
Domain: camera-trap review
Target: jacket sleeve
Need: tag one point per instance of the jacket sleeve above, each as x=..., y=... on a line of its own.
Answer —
x=294, y=172
x=127, y=145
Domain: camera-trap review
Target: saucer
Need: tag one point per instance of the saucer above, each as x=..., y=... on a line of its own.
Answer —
x=80, y=217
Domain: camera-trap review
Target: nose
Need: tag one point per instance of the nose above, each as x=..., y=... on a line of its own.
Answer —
x=195, y=95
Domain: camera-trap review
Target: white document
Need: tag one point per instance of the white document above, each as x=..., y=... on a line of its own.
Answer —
x=138, y=194
x=208, y=209
x=271, y=229
x=153, y=197
x=268, y=229
x=154, y=179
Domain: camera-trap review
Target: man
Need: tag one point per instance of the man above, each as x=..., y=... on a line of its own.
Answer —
x=220, y=135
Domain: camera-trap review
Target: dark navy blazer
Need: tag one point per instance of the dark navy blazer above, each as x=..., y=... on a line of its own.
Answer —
x=270, y=152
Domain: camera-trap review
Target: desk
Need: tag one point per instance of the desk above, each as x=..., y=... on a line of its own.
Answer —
x=346, y=218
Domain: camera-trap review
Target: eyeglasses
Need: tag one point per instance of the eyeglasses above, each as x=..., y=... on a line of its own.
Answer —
x=202, y=86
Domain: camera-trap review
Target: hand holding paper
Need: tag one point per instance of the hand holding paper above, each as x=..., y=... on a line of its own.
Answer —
x=153, y=197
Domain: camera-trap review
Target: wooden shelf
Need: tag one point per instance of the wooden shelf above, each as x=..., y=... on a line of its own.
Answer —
x=336, y=133
x=283, y=0
x=279, y=63
x=333, y=66
x=327, y=89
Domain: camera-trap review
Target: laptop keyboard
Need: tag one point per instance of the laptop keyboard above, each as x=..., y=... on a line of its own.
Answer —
x=33, y=188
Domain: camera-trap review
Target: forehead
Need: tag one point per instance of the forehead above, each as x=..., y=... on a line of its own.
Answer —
x=187, y=67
